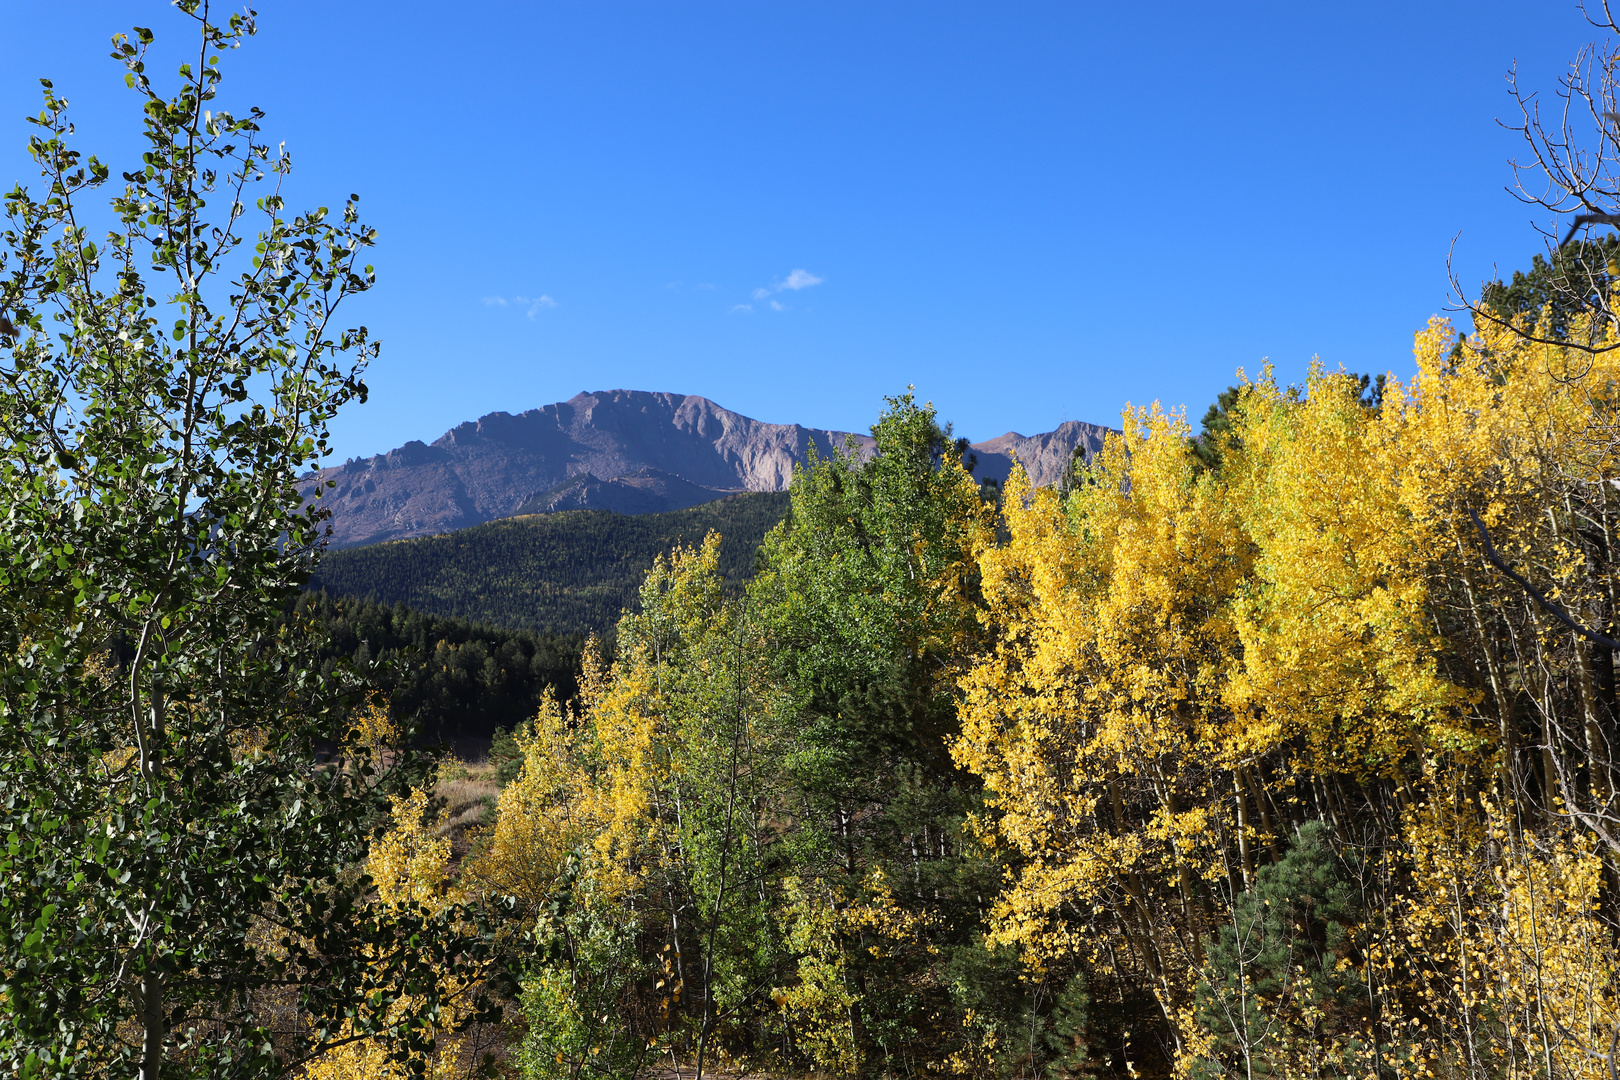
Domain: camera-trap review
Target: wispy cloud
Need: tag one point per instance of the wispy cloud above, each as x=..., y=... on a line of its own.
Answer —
x=797, y=279
x=747, y=309
x=800, y=279
x=531, y=305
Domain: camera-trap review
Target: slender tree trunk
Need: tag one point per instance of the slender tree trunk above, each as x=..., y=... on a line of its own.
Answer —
x=1183, y=873
x=1551, y=786
x=707, y=1026
x=1597, y=749
x=1265, y=814
x=1508, y=731
x=1246, y=857
x=152, y=1028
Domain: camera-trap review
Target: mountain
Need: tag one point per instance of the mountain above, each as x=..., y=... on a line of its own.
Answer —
x=646, y=491
x=571, y=572
x=1044, y=456
x=632, y=451
x=497, y=465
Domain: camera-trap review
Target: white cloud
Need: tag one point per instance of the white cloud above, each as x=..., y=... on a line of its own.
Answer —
x=797, y=279
x=530, y=304
x=800, y=279
x=748, y=308
x=776, y=306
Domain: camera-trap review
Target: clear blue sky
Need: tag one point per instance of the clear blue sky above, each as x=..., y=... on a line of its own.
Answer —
x=1032, y=211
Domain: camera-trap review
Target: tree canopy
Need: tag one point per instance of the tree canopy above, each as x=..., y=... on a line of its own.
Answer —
x=184, y=800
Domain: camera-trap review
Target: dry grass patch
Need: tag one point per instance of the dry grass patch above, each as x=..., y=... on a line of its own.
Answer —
x=468, y=790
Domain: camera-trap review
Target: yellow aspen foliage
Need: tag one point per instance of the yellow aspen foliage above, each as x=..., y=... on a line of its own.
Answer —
x=597, y=782
x=1494, y=957
x=411, y=868
x=587, y=781
x=1549, y=960
x=822, y=926
x=1510, y=443
x=1337, y=647
x=819, y=1007
x=1505, y=450
x=410, y=864
x=544, y=814
x=636, y=817
x=678, y=727
x=633, y=764
x=591, y=782
x=1385, y=616
x=374, y=731
x=1089, y=720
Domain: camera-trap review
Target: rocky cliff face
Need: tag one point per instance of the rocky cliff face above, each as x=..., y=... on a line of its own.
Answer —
x=626, y=450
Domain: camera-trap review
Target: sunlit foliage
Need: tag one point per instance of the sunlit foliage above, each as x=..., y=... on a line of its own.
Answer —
x=1382, y=619
x=1280, y=752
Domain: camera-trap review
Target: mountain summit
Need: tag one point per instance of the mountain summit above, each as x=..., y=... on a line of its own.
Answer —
x=627, y=450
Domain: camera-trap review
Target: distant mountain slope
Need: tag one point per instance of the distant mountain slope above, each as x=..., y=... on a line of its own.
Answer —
x=1043, y=456
x=569, y=572
x=453, y=677
x=490, y=468
x=646, y=491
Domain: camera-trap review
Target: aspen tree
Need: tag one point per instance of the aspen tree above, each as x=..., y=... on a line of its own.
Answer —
x=179, y=885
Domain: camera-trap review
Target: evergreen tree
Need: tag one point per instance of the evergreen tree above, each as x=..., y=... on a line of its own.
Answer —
x=1576, y=280
x=871, y=597
x=1276, y=971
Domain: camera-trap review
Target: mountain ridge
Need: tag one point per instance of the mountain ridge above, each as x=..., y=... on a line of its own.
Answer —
x=632, y=451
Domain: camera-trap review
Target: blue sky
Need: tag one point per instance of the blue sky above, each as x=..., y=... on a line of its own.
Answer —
x=1032, y=211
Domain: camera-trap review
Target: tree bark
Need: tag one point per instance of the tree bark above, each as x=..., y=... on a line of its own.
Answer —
x=152, y=1027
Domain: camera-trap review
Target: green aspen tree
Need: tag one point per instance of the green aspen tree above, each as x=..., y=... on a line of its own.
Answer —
x=179, y=892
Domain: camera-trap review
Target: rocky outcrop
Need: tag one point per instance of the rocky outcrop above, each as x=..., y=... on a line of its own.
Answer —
x=627, y=450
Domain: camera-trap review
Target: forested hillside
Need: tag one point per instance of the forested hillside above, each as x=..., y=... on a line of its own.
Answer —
x=568, y=573
x=449, y=677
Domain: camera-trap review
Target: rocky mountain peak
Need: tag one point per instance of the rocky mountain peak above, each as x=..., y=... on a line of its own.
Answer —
x=635, y=451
